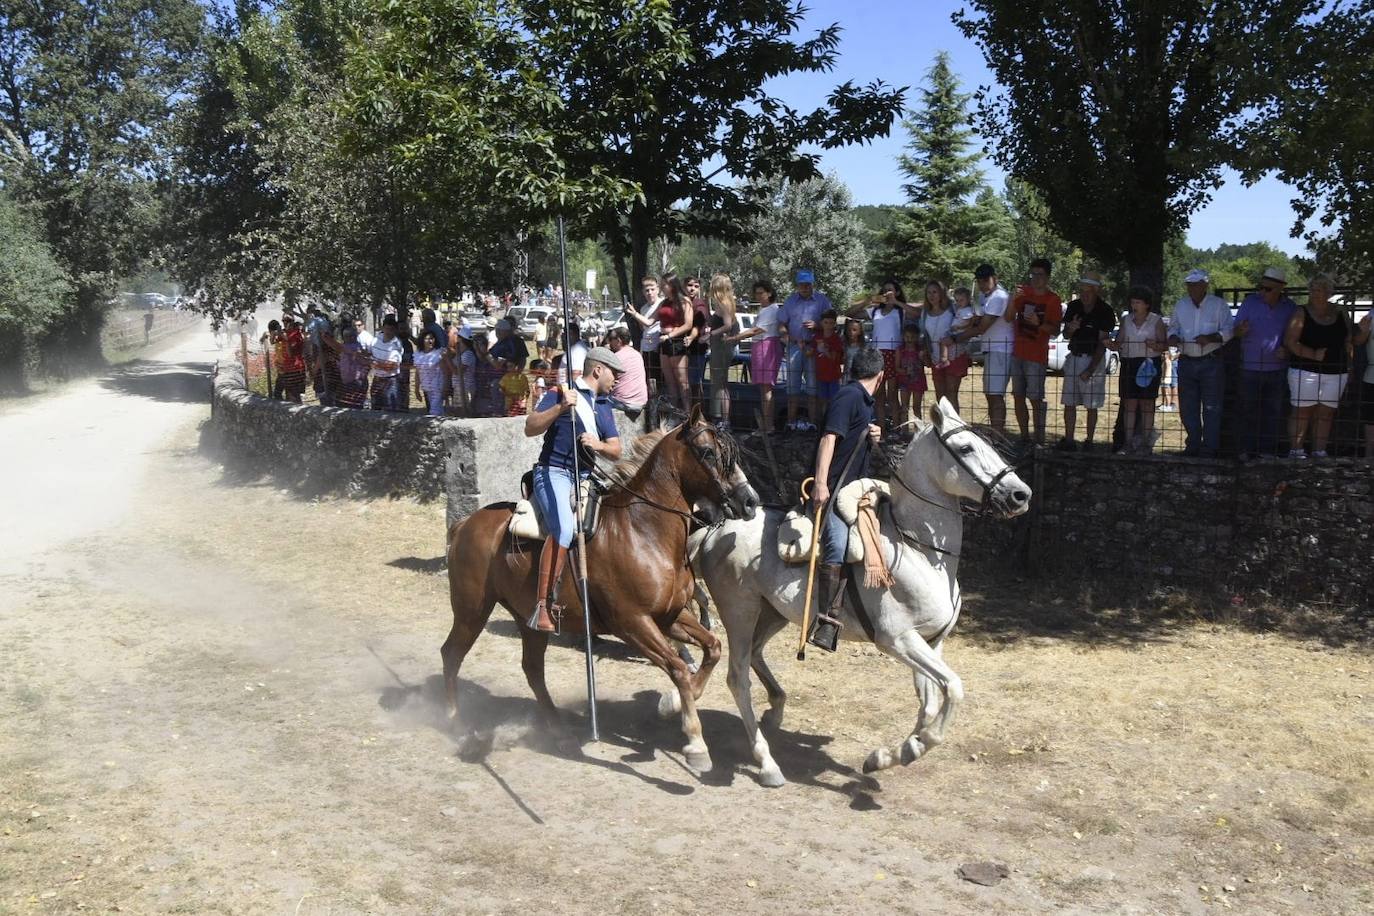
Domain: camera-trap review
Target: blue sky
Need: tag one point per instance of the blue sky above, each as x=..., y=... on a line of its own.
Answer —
x=896, y=41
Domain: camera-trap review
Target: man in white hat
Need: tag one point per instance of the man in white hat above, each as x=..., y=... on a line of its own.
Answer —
x=573, y=418
x=1200, y=325
x=1260, y=324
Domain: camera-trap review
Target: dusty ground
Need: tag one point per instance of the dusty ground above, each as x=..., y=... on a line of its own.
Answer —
x=219, y=698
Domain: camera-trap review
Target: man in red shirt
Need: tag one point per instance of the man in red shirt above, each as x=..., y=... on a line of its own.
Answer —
x=1035, y=313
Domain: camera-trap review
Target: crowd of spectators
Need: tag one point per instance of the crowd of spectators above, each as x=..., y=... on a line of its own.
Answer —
x=679, y=344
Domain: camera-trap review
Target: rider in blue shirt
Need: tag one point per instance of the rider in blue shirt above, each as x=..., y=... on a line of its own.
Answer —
x=847, y=432
x=562, y=416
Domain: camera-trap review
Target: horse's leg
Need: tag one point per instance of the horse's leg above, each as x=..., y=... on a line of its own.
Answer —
x=912, y=649
x=533, y=644
x=642, y=633
x=768, y=625
x=742, y=651
x=466, y=628
x=687, y=629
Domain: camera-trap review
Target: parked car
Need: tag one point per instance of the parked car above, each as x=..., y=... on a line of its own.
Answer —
x=1059, y=348
x=526, y=318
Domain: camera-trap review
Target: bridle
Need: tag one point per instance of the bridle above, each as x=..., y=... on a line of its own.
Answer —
x=724, y=491
x=989, y=486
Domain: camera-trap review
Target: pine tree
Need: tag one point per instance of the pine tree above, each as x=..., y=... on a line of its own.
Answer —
x=941, y=233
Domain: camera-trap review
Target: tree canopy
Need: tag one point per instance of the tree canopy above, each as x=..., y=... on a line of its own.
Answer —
x=1122, y=116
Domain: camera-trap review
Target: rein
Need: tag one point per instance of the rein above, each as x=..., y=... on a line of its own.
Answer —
x=984, y=506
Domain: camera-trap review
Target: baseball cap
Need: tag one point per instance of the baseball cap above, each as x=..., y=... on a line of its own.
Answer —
x=984, y=271
x=465, y=331
x=1197, y=275
x=1090, y=278
x=606, y=358
x=1276, y=274
x=805, y=276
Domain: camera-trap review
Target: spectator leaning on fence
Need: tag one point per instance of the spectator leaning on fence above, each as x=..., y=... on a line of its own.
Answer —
x=645, y=332
x=1035, y=314
x=387, y=353
x=1200, y=325
x=801, y=312
x=1088, y=325
x=993, y=302
x=765, y=354
x=722, y=328
x=887, y=311
x=1140, y=341
x=1318, y=342
x=291, y=360
x=630, y=393
x=1261, y=324
x=1364, y=337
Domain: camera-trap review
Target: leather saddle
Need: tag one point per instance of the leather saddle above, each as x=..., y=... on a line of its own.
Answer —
x=794, y=533
x=526, y=523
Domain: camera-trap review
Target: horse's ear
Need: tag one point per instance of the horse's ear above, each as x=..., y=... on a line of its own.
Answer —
x=694, y=418
x=948, y=410
x=937, y=416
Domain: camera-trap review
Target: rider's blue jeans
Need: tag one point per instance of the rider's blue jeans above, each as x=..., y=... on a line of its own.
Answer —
x=552, y=496
x=834, y=537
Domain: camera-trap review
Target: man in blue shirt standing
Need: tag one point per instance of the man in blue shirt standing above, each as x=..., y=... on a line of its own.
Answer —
x=802, y=314
x=1260, y=324
x=848, y=436
x=580, y=418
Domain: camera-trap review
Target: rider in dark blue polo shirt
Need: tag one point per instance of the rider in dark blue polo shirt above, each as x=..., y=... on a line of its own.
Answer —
x=560, y=417
x=848, y=427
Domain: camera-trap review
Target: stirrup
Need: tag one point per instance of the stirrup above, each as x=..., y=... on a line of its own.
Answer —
x=825, y=633
x=541, y=621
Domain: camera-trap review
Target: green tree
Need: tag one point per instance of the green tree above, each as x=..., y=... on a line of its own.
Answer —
x=938, y=234
x=35, y=292
x=1122, y=115
x=87, y=89
x=668, y=100
x=1033, y=236
x=806, y=224
x=1325, y=147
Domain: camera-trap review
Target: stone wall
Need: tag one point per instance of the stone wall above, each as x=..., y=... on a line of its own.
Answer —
x=317, y=450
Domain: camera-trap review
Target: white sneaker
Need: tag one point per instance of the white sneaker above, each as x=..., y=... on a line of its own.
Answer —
x=1320, y=454
x=1297, y=453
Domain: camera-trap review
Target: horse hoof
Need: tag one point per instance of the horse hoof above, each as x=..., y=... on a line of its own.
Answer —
x=772, y=778
x=669, y=704
x=912, y=750
x=772, y=718
x=699, y=761
x=880, y=759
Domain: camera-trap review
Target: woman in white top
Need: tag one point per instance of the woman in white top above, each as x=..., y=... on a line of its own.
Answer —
x=765, y=354
x=429, y=374
x=1140, y=340
x=944, y=351
x=887, y=311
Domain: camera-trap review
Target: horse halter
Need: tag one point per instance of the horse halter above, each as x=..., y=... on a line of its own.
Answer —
x=989, y=486
x=725, y=457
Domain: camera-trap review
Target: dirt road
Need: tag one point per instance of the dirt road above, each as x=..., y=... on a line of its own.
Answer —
x=217, y=698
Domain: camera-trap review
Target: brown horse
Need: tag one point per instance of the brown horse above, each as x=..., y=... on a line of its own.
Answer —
x=639, y=581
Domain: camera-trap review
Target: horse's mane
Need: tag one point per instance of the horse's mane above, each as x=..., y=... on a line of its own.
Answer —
x=624, y=470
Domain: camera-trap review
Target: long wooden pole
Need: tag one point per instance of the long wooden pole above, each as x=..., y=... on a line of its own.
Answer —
x=806, y=488
x=577, y=489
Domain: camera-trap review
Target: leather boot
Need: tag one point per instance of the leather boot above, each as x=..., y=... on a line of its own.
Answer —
x=825, y=631
x=540, y=620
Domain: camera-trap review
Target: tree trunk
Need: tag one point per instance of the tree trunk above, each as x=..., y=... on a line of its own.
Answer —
x=641, y=228
x=1147, y=269
x=615, y=247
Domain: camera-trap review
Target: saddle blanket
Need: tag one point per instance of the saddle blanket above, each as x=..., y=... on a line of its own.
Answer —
x=794, y=534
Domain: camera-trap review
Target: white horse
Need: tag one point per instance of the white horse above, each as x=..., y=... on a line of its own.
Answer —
x=756, y=594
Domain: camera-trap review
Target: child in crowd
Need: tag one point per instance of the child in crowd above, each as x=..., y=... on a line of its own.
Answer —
x=1168, y=382
x=965, y=314
x=543, y=376
x=853, y=343
x=788, y=348
x=911, y=373
x=829, y=362
x=515, y=387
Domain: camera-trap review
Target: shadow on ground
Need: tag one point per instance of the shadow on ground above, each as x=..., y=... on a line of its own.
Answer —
x=186, y=383
x=631, y=734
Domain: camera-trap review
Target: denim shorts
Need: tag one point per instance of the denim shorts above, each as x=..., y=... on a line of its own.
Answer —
x=801, y=373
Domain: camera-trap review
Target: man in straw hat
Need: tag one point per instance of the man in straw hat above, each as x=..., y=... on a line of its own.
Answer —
x=1260, y=324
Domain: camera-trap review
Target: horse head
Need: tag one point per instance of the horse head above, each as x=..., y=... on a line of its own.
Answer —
x=714, y=482
x=960, y=462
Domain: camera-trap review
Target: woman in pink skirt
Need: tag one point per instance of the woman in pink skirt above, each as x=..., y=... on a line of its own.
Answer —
x=765, y=355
